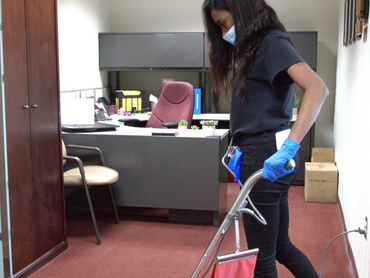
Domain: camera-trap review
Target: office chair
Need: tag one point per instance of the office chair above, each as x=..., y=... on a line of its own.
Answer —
x=175, y=103
x=89, y=176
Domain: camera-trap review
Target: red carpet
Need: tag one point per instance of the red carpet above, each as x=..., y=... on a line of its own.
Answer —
x=148, y=246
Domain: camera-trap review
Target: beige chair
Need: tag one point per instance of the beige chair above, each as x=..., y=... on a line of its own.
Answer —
x=88, y=176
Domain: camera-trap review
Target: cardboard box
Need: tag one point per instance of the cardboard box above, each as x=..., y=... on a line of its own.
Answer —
x=323, y=155
x=321, y=182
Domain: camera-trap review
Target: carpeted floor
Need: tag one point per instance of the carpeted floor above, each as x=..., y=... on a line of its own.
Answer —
x=149, y=246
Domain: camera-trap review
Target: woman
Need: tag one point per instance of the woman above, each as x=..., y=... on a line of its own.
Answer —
x=252, y=55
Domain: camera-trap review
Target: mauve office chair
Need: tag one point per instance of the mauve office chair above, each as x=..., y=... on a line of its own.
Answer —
x=175, y=103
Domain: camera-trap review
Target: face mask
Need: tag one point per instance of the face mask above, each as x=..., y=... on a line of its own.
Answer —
x=230, y=36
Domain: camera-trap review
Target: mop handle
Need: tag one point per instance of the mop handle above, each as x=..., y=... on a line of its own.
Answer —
x=228, y=221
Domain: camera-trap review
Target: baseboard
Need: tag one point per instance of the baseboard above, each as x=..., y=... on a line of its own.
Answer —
x=32, y=267
x=347, y=246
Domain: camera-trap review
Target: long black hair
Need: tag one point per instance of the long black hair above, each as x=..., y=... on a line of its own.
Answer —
x=252, y=20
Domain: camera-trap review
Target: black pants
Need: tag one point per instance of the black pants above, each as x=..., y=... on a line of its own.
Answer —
x=271, y=199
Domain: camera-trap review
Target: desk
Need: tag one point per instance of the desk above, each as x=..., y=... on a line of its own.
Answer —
x=304, y=152
x=198, y=117
x=222, y=118
x=181, y=173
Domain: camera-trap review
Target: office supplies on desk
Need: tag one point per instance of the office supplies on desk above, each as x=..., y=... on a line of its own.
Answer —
x=104, y=100
x=165, y=132
x=97, y=127
x=153, y=101
x=109, y=109
x=197, y=101
x=101, y=112
x=129, y=100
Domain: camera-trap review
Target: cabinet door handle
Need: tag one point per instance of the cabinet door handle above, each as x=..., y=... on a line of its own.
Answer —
x=25, y=107
x=34, y=106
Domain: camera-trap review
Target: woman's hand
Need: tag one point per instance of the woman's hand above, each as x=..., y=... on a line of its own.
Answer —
x=275, y=166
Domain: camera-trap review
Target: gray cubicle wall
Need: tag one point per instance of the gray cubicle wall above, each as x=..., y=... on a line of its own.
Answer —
x=305, y=43
x=151, y=51
x=177, y=51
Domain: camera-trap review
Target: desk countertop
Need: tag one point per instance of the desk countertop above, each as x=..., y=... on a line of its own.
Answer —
x=128, y=130
x=148, y=131
x=212, y=116
x=206, y=116
x=143, y=131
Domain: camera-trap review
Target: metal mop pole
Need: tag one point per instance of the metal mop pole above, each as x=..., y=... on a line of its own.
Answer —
x=228, y=221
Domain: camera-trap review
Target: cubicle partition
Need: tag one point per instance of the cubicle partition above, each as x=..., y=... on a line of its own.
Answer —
x=176, y=51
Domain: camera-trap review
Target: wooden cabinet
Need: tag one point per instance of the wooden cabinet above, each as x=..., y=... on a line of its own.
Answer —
x=36, y=195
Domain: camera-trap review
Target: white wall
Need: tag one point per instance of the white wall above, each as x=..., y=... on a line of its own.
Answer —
x=79, y=22
x=156, y=16
x=352, y=139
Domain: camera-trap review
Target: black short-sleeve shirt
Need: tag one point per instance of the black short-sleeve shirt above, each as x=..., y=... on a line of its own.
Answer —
x=267, y=100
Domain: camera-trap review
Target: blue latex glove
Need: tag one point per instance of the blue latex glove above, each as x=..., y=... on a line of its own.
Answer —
x=274, y=166
x=235, y=164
